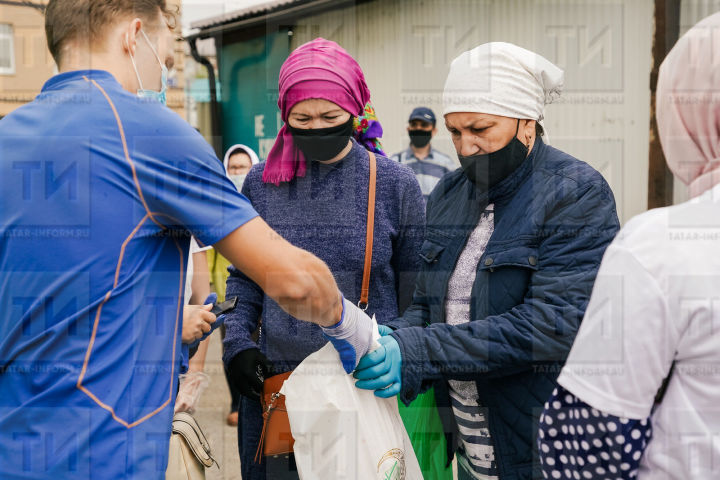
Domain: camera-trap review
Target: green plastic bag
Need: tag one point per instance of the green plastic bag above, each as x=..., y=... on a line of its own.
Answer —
x=425, y=430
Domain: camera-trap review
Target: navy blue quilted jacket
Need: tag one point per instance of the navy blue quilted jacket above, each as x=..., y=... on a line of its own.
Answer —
x=554, y=217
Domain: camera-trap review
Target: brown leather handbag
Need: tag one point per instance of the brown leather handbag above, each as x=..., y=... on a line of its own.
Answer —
x=276, y=437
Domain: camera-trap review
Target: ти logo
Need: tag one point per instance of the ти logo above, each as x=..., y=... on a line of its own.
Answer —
x=392, y=465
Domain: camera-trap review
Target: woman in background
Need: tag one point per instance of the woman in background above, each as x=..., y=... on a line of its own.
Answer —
x=238, y=161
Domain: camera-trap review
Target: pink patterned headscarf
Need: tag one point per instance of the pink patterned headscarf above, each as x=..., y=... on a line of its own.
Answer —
x=688, y=106
x=319, y=69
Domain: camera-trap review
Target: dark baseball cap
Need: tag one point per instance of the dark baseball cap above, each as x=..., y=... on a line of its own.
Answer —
x=424, y=114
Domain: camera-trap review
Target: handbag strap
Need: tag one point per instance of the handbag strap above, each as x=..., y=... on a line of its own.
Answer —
x=185, y=425
x=369, y=233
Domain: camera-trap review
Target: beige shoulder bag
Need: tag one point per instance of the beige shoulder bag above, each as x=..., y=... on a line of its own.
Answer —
x=189, y=450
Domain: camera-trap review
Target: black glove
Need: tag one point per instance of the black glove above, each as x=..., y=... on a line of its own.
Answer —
x=248, y=370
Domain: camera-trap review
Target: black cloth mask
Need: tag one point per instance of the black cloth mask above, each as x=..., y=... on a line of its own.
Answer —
x=322, y=144
x=420, y=138
x=488, y=169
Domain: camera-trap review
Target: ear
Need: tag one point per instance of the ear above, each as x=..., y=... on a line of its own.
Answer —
x=131, y=35
x=529, y=130
x=434, y=131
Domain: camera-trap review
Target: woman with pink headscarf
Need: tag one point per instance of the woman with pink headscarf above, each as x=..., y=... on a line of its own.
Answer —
x=313, y=190
x=639, y=395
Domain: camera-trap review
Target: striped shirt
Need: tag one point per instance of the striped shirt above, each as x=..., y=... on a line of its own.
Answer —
x=477, y=454
x=429, y=170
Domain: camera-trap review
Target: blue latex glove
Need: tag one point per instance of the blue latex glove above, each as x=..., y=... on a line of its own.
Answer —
x=211, y=299
x=384, y=330
x=381, y=370
x=351, y=336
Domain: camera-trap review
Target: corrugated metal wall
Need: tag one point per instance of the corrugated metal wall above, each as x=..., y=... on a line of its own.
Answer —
x=405, y=48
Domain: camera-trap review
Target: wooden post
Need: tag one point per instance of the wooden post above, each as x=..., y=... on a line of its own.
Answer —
x=667, y=29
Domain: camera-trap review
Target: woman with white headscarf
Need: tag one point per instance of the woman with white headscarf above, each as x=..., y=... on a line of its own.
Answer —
x=513, y=242
x=639, y=395
x=238, y=161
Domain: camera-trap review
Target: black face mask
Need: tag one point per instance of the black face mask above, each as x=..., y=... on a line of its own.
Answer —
x=487, y=170
x=420, y=138
x=322, y=143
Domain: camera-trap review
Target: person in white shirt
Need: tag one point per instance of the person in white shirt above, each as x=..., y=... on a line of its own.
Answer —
x=639, y=396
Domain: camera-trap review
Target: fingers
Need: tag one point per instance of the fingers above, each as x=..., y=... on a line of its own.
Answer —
x=376, y=383
x=385, y=340
x=207, y=317
x=372, y=372
x=194, y=333
x=371, y=359
x=256, y=384
x=388, y=392
x=181, y=406
x=384, y=330
x=250, y=387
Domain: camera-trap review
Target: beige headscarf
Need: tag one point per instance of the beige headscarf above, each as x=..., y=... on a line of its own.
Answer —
x=688, y=106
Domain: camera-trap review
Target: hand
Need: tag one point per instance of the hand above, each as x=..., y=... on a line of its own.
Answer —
x=191, y=386
x=210, y=300
x=197, y=321
x=384, y=330
x=248, y=370
x=381, y=370
x=352, y=336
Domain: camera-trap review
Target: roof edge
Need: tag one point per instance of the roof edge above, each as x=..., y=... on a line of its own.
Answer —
x=274, y=11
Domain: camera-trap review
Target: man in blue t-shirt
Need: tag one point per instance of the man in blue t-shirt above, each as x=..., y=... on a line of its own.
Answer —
x=101, y=187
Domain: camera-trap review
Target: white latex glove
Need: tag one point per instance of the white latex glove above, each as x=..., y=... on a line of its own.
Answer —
x=191, y=386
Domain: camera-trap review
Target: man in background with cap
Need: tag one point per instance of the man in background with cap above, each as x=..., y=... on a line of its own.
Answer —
x=428, y=164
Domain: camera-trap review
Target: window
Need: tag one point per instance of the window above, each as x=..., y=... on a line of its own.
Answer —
x=7, y=50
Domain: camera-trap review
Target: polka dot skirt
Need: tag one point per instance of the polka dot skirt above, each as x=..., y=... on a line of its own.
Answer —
x=576, y=441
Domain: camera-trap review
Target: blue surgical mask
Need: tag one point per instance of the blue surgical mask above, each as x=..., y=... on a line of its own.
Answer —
x=154, y=94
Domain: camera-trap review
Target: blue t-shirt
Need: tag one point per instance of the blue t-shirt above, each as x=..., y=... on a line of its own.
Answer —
x=100, y=193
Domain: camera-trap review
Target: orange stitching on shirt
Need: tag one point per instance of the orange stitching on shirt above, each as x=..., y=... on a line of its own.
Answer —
x=94, y=333
x=125, y=151
x=91, y=344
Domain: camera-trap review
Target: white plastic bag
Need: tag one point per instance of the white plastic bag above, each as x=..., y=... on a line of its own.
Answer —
x=343, y=432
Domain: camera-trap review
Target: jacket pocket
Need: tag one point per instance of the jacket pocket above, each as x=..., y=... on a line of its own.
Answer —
x=509, y=273
x=430, y=251
x=521, y=256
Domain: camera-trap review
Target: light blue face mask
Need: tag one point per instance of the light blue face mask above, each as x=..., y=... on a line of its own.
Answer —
x=238, y=180
x=154, y=94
